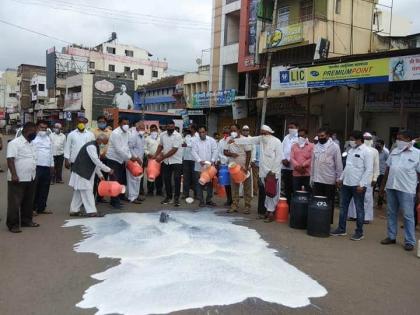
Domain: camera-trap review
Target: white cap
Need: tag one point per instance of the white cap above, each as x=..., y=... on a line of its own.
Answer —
x=367, y=135
x=267, y=128
x=316, y=138
x=245, y=127
x=57, y=125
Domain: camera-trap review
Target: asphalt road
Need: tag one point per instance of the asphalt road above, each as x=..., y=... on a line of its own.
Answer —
x=41, y=274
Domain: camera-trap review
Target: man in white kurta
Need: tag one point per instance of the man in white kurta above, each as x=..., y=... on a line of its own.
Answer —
x=83, y=187
x=271, y=155
x=369, y=190
x=136, y=143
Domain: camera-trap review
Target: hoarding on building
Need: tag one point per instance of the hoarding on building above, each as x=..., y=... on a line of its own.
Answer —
x=404, y=68
x=73, y=101
x=111, y=92
x=283, y=78
x=221, y=98
x=285, y=36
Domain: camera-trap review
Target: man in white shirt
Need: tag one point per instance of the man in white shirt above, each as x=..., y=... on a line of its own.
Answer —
x=401, y=182
x=354, y=180
x=122, y=100
x=44, y=167
x=241, y=155
x=188, y=162
x=21, y=161
x=171, y=148
x=271, y=155
x=136, y=143
x=75, y=140
x=223, y=160
x=151, y=145
x=117, y=155
x=287, y=168
x=254, y=167
x=58, y=142
x=82, y=177
x=204, y=149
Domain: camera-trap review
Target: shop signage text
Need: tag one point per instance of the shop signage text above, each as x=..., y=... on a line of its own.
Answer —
x=285, y=35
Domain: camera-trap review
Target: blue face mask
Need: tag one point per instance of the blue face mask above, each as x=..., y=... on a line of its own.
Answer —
x=102, y=125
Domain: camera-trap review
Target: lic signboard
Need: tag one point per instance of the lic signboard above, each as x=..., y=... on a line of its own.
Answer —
x=284, y=78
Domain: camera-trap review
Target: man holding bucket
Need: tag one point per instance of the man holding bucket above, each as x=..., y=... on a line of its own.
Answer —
x=240, y=155
x=84, y=168
x=271, y=151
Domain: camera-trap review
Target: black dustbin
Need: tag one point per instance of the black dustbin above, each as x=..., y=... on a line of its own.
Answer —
x=319, y=217
x=299, y=210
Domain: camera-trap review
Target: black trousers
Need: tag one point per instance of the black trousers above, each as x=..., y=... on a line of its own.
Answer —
x=287, y=177
x=299, y=181
x=168, y=171
x=189, y=176
x=42, y=187
x=261, y=198
x=119, y=176
x=58, y=168
x=200, y=188
x=158, y=184
x=328, y=191
x=20, y=200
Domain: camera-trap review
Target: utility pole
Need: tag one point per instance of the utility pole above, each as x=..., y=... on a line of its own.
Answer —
x=268, y=66
x=144, y=103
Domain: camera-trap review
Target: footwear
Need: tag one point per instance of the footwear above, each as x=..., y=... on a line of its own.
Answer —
x=270, y=218
x=141, y=198
x=338, y=232
x=15, y=229
x=166, y=201
x=408, y=247
x=211, y=204
x=124, y=199
x=31, y=224
x=136, y=202
x=366, y=222
x=260, y=217
x=388, y=241
x=351, y=219
x=101, y=200
x=34, y=213
x=116, y=206
x=92, y=215
x=45, y=212
x=74, y=214
x=176, y=203
x=357, y=237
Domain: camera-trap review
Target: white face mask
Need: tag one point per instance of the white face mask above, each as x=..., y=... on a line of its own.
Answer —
x=125, y=128
x=301, y=141
x=154, y=135
x=369, y=143
x=265, y=139
x=293, y=132
x=233, y=134
x=352, y=143
x=42, y=133
x=56, y=130
x=141, y=132
x=401, y=145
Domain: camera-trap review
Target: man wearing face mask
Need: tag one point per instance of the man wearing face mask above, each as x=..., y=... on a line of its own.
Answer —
x=383, y=157
x=240, y=154
x=204, y=150
x=401, y=182
x=136, y=143
x=301, y=157
x=188, y=162
x=169, y=153
x=271, y=155
x=151, y=145
x=58, y=142
x=75, y=140
x=287, y=168
x=223, y=160
x=368, y=203
x=354, y=180
x=118, y=153
x=44, y=167
x=21, y=161
x=326, y=168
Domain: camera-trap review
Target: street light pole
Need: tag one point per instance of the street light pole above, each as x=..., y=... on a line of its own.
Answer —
x=144, y=103
x=268, y=66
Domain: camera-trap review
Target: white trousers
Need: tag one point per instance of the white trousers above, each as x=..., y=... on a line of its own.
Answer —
x=83, y=198
x=133, y=186
x=368, y=206
x=271, y=203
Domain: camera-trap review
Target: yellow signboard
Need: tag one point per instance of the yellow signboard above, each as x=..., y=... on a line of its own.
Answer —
x=285, y=35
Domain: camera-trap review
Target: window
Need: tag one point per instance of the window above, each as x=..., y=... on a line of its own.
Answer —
x=283, y=17
x=337, y=6
x=110, y=50
x=91, y=65
x=41, y=87
x=126, y=69
x=306, y=8
x=140, y=71
x=155, y=74
x=129, y=53
x=111, y=68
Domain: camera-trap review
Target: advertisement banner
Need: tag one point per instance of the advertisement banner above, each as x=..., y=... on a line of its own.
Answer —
x=285, y=35
x=283, y=78
x=359, y=72
x=222, y=98
x=404, y=68
x=111, y=92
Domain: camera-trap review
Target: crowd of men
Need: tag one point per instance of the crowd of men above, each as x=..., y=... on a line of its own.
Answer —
x=273, y=168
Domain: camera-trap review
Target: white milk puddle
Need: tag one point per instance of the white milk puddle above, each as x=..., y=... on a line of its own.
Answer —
x=194, y=260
